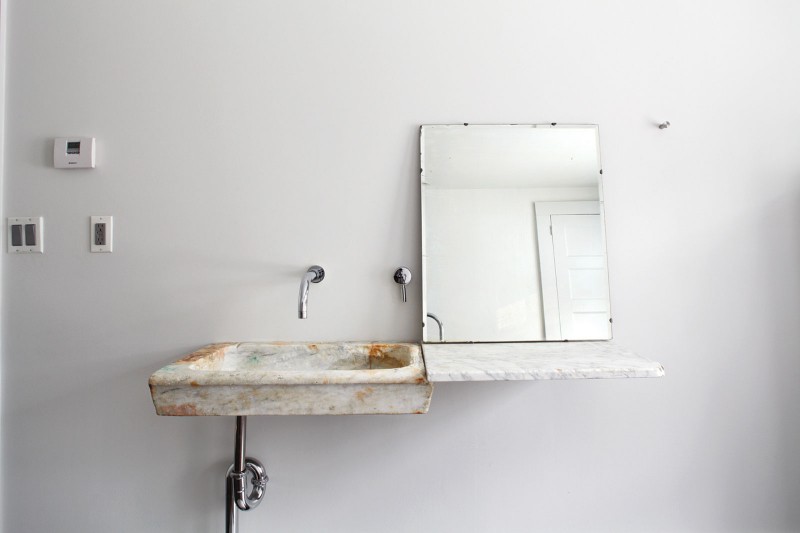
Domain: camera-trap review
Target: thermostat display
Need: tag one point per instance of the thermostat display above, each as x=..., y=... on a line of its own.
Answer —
x=73, y=152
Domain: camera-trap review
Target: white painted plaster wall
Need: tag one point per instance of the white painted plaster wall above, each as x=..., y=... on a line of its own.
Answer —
x=3, y=20
x=240, y=142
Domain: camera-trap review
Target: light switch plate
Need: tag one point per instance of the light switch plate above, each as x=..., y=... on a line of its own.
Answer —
x=25, y=235
x=101, y=234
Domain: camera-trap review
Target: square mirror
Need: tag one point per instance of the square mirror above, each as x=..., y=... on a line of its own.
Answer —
x=513, y=238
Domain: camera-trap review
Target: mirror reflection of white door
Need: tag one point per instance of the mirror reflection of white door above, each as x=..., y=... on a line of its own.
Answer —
x=581, y=278
x=574, y=273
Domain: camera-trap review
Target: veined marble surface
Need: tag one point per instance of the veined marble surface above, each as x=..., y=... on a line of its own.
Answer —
x=535, y=360
x=264, y=378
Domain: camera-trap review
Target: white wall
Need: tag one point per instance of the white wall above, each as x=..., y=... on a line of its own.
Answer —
x=3, y=20
x=240, y=142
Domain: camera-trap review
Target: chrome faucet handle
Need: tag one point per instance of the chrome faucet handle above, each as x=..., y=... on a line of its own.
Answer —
x=318, y=271
x=402, y=276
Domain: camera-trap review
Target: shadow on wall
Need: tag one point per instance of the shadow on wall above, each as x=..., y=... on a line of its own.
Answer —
x=778, y=253
x=104, y=413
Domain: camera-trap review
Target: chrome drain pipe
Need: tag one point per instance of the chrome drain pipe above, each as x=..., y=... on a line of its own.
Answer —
x=236, y=495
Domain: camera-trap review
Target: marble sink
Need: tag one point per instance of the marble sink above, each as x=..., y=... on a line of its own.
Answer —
x=262, y=378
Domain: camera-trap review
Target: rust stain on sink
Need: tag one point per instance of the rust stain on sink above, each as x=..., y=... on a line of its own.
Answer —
x=361, y=395
x=379, y=358
x=208, y=354
x=186, y=409
x=378, y=350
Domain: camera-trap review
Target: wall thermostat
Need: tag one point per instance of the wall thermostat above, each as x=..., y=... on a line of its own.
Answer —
x=73, y=152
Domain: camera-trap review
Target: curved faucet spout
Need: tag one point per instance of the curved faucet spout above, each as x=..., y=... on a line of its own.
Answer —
x=439, y=323
x=314, y=274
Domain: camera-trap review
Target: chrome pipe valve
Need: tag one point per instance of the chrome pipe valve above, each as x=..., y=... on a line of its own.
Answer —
x=402, y=276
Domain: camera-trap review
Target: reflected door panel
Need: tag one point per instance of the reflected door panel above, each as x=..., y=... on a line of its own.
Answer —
x=581, y=278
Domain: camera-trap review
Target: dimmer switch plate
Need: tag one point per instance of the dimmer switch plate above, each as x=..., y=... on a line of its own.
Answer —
x=73, y=152
x=25, y=235
x=101, y=234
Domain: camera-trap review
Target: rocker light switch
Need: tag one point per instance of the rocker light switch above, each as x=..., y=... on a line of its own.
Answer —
x=101, y=234
x=16, y=235
x=30, y=234
x=25, y=235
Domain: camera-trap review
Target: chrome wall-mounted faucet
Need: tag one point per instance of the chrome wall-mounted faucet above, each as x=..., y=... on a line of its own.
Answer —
x=314, y=274
x=402, y=276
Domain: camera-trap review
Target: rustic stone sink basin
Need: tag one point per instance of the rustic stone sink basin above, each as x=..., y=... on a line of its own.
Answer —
x=260, y=378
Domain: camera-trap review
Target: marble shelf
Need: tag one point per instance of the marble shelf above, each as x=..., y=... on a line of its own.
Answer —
x=535, y=360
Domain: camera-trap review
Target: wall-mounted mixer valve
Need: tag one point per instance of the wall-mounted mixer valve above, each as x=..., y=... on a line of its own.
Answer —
x=402, y=276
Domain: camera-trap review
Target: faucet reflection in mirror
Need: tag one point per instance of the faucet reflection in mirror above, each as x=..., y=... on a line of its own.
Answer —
x=513, y=234
x=438, y=323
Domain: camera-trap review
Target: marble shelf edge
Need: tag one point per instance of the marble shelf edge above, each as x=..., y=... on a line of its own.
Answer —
x=535, y=360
